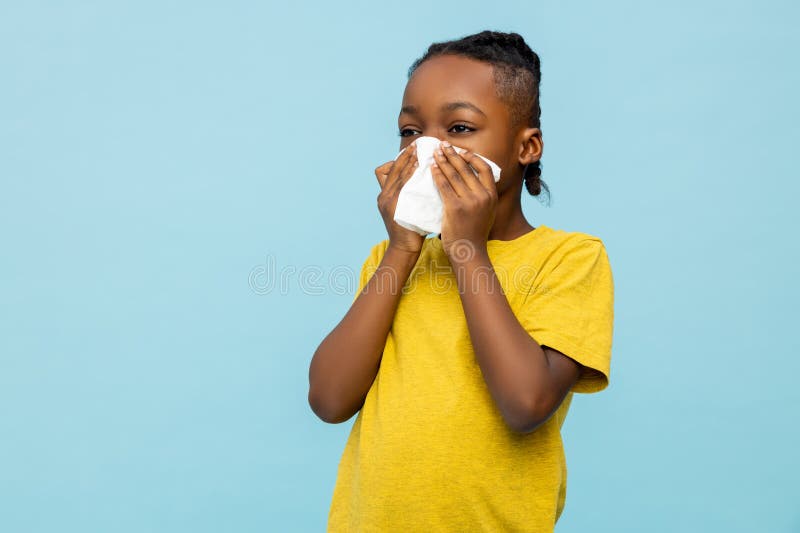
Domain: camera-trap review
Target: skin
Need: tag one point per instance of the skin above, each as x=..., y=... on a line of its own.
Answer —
x=527, y=381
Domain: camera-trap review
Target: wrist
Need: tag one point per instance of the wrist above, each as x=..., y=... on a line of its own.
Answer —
x=401, y=256
x=464, y=251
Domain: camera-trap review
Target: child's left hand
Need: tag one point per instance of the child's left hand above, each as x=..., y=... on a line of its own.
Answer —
x=469, y=201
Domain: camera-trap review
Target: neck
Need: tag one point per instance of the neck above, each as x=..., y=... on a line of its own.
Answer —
x=509, y=220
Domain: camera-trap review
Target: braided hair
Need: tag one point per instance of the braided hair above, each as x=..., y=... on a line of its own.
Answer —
x=517, y=75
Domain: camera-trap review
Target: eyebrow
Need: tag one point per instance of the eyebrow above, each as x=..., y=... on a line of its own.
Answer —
x=451, y=106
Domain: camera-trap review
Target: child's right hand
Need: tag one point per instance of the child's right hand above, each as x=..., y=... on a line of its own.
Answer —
x=392, y=176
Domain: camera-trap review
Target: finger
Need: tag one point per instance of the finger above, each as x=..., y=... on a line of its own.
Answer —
x=382, y=172
x=405, y=175
x=408, y=149
x=446, y=190
x=461, y=168
x=407, y=153
x=451, y=174
x=485, y=176
x=402, y=163
x=444, y=183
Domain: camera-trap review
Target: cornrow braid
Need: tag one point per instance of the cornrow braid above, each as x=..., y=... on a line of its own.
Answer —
x=517, y=74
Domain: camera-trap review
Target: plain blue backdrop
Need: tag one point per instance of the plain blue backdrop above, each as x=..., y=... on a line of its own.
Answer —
x=161, y=160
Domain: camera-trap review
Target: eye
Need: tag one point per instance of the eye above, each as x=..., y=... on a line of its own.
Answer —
x=407, y=131
x=462, y=126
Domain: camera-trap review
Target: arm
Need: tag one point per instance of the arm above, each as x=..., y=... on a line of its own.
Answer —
x=527, y=381
x=346, y=362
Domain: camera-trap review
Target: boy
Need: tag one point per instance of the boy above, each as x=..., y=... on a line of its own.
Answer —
x=461, y=352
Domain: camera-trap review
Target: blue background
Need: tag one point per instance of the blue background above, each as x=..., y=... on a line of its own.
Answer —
x=159, y=159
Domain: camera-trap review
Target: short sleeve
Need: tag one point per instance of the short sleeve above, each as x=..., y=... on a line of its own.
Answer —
x=571, y=308
x=369, y=266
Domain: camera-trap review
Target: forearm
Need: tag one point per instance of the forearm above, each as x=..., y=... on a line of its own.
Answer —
x=513, y=364
x=346, y=362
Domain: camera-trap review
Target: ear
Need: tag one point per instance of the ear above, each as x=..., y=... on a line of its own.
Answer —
x=531, y=145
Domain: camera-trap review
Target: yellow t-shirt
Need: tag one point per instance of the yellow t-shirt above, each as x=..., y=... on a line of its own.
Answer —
x=429, y=450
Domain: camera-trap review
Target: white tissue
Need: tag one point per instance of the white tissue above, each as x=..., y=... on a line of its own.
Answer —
x=419, y=204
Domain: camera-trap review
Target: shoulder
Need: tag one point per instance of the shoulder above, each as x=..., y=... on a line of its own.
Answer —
x=561, y=244
x=572, y=237
x=376, y=253
x=379, y=249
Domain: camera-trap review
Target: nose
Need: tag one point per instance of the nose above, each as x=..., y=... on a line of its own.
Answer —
x=439, y=134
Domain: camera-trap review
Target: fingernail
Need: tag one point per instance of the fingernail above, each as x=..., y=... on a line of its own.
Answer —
x=445, y=144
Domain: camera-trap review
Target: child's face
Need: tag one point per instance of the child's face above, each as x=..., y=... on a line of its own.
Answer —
x=450, y=79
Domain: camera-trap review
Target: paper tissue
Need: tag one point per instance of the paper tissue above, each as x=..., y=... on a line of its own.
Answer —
x=419, y=205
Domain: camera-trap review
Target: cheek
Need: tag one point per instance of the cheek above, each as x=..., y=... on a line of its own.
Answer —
x=510, y=177
x=503, y=184
x=503, y=159
x=509, y=170
x=494, y=157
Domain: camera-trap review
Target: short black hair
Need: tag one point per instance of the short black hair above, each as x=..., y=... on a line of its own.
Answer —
x=517, y=74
